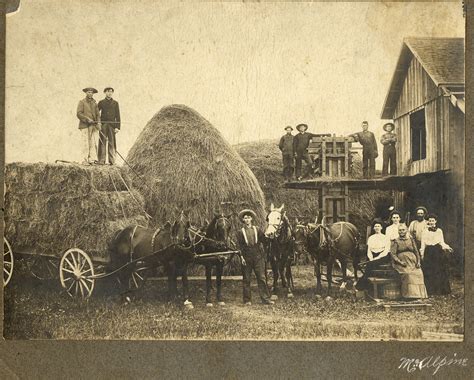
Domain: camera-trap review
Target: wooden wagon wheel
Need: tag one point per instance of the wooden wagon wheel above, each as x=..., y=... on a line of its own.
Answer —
x=137, y=278
x=76, y=273
x=44, y=268
x=7, y=262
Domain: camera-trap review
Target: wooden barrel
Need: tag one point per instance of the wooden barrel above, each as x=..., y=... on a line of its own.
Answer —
x=391, y=290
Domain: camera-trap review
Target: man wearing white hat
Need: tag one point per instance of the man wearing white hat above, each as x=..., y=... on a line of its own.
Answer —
x=389, y=155
x=89, y=125
x=250, y=240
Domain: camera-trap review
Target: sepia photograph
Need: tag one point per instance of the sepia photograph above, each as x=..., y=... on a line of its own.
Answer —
x=234, y=171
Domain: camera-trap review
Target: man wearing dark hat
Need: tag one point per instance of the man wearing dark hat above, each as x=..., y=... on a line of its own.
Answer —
x=110, y=117
x=388, y=141
x=300, y=147
x=286, y=147
x=418, y=225
x=250, y=240
x=369, y=149
x=89, y=125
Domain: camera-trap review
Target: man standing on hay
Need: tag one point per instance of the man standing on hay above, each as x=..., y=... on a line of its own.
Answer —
x=250, y=240
x=369, y=149
x=89, y=125
x=286, y=147
x=110, y=117
x=300, y=147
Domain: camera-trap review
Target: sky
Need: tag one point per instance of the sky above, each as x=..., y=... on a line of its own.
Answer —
x=248, y=68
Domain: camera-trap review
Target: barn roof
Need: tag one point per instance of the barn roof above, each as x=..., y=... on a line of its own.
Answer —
x=442, y=58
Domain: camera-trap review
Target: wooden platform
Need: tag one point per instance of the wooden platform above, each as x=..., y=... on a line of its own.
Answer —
x=378, y=183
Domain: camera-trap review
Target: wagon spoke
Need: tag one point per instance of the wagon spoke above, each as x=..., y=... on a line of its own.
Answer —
x=74, y=259
x=70, y=265
x=84, y=262
x=67, y=270
x=5, y=271
x=140, y=277
x=76, y=288
x=68, y=279
x=70, y=287
x=81, y=288
x=85, y=285
x=134, y=280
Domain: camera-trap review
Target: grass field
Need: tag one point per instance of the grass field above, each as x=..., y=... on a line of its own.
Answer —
x=39, y=310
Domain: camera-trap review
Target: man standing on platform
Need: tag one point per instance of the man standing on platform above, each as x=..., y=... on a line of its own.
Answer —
x=286, y=147
x=388, y=141
x=110, y=116
x=369, y=149
x=89, y=125
x=300, y=147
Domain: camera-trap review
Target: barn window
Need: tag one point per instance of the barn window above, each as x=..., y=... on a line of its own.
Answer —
x=418, y=135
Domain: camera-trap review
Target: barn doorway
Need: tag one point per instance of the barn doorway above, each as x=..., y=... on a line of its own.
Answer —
x=418, y=135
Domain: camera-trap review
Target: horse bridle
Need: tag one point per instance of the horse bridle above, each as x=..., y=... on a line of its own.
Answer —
x=275, y=225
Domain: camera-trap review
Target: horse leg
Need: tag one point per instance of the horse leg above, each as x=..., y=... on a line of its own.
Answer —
x=317, y=269
x=184, y=280
x=274, y=264
x=344, y=273
x=219, y=271
x=208, y=284
x=330, y=264
x=170, y=269
x=289, y=279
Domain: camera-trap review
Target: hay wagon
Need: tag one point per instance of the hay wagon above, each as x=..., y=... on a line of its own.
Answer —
x=60, y=217
x=78, y=272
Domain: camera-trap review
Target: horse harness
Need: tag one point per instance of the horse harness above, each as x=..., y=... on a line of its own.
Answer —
x=132, y=235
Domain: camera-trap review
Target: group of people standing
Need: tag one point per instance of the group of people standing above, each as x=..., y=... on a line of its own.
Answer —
x=98, y=124
x=296, y=148
x=417, y=252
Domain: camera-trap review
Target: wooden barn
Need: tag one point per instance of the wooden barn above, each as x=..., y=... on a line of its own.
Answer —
x=426, y=102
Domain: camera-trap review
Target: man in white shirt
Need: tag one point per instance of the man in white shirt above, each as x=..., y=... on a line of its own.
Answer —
x=417, y=226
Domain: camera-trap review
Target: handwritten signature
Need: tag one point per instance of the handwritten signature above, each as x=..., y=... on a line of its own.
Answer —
x=412, y=365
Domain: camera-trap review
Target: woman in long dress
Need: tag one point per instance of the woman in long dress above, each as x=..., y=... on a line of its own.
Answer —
x=378, y=248
x=406, y=261
x=435, y=262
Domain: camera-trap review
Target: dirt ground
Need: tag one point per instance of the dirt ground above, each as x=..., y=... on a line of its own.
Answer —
x=40, y=310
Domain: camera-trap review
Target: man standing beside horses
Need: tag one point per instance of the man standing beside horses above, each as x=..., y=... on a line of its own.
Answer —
x=250, y=240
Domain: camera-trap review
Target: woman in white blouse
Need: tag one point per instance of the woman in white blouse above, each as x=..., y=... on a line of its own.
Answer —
x=435, y=263
x=378, y=248
x=392, y=230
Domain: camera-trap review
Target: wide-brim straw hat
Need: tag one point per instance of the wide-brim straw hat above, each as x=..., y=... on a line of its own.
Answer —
x=421, y=208
x=289, y=127
x=387, y=125
x=300, y=126
x=247, y=211
x=90, y=89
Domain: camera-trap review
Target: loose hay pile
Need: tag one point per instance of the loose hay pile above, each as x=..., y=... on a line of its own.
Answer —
x=185, y=164
x=50, y=208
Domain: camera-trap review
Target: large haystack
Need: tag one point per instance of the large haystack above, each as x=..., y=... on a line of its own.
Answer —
x=185, y=164
x=50, y=208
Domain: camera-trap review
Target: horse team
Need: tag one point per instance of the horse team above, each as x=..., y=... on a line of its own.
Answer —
x=175, y=246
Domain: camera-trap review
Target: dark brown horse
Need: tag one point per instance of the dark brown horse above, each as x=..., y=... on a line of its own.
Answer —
x=280, y=247
x=338, y=241
x=217, y=238
x=145, y=249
